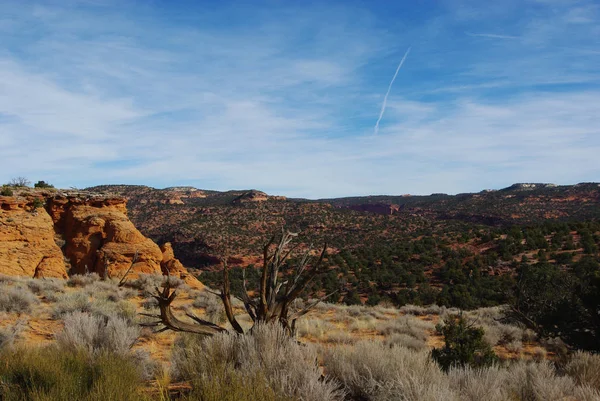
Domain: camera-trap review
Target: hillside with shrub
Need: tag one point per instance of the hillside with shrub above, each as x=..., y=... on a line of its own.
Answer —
x=467, y=250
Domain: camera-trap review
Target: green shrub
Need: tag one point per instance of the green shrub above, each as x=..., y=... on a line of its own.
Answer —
x=373, y=299
x=37, y=203
x=6, y=191
x=463, y=346
x=42, y=184
x=352, y=298
x=44, y=374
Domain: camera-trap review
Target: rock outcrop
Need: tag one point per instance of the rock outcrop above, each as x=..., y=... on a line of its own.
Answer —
x=27, y=240
x=101, y=239
x=256, y=196
x=95, y=232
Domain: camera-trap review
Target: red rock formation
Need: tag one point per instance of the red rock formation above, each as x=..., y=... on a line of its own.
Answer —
x=173, y=267
x=27, y=245
x=98, y=238
x=103, y=240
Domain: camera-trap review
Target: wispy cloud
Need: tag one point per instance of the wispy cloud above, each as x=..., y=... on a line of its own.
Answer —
x=491, y=35
x=283, y=98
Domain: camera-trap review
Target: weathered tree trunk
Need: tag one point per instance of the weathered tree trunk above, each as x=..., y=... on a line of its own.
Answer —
x=273, y=300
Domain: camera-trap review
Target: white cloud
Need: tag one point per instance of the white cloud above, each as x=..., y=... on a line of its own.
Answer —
x=286, y=103
x=492, y=35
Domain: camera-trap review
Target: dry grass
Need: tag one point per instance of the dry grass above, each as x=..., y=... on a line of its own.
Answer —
x=96, y=334
x=10, y=333
x=375, y=353
x=584, y=368
x=373, y=371
x=101, y=304
x=289, y=368
x=48, y=374
x=17, y=299
x=82, y=280
x=212, y=306
x=314, y=328
x=148, y=282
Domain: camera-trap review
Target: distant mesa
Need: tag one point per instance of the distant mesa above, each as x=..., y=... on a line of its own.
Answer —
x=256, y=196
x=182, y=189
x=529, y=186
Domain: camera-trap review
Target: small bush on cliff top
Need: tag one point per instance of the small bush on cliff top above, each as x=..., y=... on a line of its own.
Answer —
x=42, y=184
x=19, y=182
x=6, y=191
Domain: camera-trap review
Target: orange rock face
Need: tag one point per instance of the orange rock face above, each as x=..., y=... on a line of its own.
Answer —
x=104, y=241
x=27, y=245
x=173, y=267
x=98, y=237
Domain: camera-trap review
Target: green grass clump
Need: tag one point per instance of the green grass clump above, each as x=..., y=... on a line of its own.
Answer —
x=44, y=374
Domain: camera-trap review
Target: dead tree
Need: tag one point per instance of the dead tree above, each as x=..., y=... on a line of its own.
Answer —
x=275, y=297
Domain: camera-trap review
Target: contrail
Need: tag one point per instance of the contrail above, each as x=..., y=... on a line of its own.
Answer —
x=388, y=91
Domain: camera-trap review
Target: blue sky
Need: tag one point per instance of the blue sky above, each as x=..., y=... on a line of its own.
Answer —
x=283, y=96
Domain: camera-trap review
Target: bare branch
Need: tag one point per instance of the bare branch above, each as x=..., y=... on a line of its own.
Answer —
x=165, y=298
x=262, y=309
x=133, y=261
x=226, y=298
x=272, y=304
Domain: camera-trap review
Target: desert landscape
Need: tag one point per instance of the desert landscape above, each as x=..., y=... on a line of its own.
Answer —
x=267, y=200
x=87, y=312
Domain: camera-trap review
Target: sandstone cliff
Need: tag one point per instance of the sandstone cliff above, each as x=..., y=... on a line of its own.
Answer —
x=27, y=240
x=95, y=233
